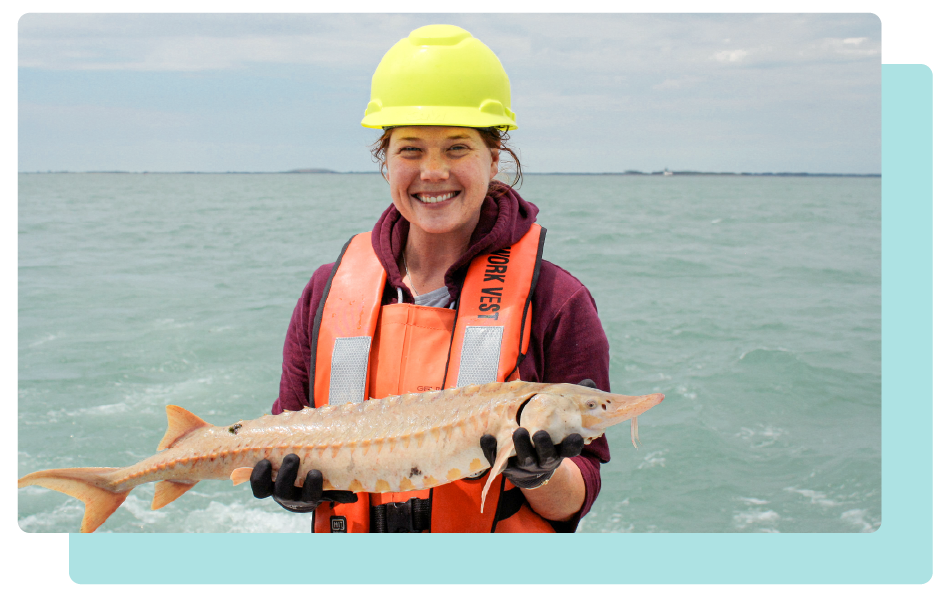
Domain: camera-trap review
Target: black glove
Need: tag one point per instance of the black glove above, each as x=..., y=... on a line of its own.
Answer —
x=290, y=497
x=533, y=466
x=588, y=384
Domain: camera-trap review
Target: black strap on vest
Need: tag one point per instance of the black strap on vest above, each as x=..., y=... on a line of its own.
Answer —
x=510, y=502
x=411, y=516
x=528, y=301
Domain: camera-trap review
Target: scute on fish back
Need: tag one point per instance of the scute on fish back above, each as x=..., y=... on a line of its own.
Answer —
x=398, y=443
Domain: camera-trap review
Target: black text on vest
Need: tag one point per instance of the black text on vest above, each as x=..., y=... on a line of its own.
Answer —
x=490, y=299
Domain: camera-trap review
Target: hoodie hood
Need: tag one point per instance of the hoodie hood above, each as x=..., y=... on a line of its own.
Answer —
x=505, y=218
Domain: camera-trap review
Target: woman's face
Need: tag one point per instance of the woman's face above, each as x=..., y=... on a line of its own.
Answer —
x=439, y=176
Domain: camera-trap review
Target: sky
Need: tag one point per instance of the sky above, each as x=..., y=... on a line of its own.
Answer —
x=592, y=92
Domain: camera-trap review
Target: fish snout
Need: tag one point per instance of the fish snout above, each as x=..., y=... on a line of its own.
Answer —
x=611, y=409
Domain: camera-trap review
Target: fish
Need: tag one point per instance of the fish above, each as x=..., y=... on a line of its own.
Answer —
x=398, y=443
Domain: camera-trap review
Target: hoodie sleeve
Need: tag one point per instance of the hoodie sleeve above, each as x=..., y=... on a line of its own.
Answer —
x=295, y=379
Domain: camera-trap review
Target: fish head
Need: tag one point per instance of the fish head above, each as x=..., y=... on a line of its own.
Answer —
x=563, y=409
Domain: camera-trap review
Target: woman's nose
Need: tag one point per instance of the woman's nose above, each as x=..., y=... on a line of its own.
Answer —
x=434, y=167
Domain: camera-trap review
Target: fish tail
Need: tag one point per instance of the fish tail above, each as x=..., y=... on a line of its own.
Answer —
x=91, y=485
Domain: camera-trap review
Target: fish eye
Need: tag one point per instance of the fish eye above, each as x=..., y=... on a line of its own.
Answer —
x=591, y=404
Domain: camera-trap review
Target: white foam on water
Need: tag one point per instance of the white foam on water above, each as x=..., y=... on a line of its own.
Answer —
x=138, y=401
x=763, y=348
x=815, y=497
x=102, y=409
x=764, y=436
x=756, y=517
x=752, y=501
x=157, y=393
x=686, y=393
x=618, y=523
x=856, y=516
x=65, y=517
x=48, y=338
x=653, y=459
x=142, y=510
x=34, y=490
x=171, y=324
x=238, y=517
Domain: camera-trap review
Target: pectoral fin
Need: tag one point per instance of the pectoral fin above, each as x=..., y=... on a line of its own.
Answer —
x=502, y=454
x=240, y=475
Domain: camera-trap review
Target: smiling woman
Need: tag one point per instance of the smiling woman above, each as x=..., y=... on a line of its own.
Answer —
x=449, y=289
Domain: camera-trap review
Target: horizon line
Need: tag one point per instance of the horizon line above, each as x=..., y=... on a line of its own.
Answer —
x=328, y=171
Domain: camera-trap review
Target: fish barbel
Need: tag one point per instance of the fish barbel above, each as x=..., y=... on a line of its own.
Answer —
x=399, y=443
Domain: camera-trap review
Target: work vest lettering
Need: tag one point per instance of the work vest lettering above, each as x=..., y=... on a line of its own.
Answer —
x=400, y=361
x=490, y=299
x=499, y=257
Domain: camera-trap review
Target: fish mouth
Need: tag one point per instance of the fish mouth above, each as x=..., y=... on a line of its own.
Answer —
x=430, y=198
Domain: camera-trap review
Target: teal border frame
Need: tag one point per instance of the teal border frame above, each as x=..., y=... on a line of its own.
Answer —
x=900, y=551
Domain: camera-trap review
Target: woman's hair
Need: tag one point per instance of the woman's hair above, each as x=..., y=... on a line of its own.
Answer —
x=492, y=137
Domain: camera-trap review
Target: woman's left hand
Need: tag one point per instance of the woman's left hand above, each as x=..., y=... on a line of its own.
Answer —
x=532, y=466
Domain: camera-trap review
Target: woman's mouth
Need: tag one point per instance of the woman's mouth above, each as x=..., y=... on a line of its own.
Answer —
x=435, y=197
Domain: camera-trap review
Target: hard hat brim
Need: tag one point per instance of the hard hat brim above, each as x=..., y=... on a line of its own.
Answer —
x=436, y=116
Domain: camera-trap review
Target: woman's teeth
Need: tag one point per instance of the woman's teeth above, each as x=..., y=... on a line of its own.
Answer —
x=435, y=198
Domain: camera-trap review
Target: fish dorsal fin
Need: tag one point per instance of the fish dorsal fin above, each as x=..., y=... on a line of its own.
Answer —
x=180, y=422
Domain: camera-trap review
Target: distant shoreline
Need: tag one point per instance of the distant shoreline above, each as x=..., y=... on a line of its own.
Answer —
x=625, y=173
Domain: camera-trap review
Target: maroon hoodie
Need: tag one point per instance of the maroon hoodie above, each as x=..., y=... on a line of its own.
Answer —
x=567, y=343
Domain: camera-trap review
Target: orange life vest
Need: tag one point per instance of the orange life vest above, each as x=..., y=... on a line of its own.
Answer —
x=361, y=349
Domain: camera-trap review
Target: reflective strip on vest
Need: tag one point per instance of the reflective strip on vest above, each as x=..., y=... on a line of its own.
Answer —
x=348, y=370
x=479, y=362
x=495, y=312
x=348, y=316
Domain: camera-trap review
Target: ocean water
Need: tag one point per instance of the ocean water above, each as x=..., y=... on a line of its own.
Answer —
x=753, y=303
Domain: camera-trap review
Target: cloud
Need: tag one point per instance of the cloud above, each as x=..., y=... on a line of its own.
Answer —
x=678, y=83
x=853, y=47
x=731, y=55
x=593, y=42
x=188, y=43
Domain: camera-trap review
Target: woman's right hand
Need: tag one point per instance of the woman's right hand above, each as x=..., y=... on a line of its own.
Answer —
x=290, y=497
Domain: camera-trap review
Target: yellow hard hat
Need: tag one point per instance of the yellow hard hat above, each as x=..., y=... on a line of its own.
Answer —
x=440, y=75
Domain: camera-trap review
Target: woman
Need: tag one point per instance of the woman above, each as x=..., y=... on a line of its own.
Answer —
x=439, y=295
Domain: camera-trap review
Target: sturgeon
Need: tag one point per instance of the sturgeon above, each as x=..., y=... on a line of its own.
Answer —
x=399, y=443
